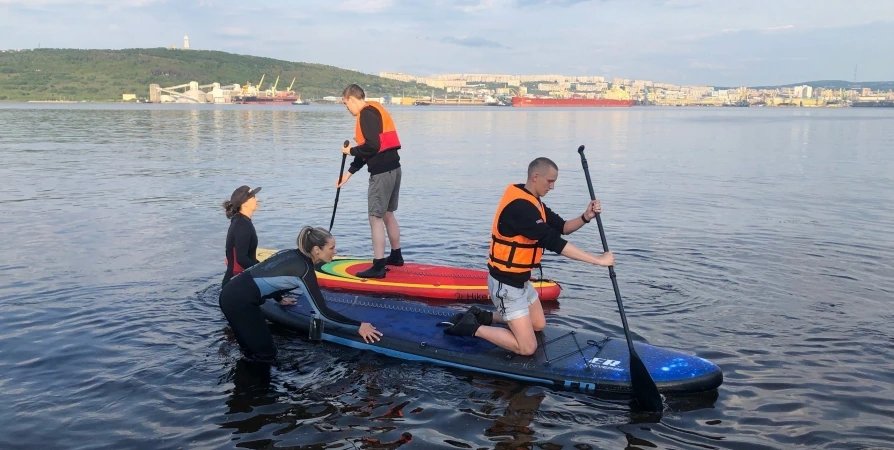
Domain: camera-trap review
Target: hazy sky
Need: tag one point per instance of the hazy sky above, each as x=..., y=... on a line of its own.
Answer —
x=715, y=42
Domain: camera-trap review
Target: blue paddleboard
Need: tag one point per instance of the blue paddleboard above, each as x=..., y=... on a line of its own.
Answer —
x=564, y=357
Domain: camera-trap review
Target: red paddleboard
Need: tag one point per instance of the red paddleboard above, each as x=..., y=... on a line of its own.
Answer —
x=414, y=280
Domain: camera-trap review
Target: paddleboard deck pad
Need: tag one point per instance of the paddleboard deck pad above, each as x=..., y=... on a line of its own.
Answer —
x=564, y=358
x=423, y=281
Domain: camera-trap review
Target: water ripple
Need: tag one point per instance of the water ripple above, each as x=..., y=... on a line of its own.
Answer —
x=756, y=238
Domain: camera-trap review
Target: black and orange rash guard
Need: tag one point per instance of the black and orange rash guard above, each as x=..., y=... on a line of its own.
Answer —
x=241, y=247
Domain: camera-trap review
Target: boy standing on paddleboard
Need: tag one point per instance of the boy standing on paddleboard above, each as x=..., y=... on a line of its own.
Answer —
x=522, y=227
x=377, y=146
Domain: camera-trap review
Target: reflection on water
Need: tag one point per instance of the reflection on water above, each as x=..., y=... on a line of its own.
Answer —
x=755, y=238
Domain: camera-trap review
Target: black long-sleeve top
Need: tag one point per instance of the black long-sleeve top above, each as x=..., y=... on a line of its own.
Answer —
x=368, y=152
x=287, y=270
x=241, y=246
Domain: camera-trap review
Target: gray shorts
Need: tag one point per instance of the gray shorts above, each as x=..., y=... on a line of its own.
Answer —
x=511, y=302
x=384, y=189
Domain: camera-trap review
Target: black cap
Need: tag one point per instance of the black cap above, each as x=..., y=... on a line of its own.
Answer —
x=242, y=194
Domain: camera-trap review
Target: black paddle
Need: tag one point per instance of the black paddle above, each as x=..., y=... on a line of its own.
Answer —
x=338, y=191
x=644, y=388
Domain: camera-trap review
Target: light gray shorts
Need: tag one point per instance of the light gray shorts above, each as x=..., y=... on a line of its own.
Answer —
x=384, y=190
x=511, y=302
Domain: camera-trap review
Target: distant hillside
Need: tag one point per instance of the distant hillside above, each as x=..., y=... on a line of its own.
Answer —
x=70, y=74
x=836, y=84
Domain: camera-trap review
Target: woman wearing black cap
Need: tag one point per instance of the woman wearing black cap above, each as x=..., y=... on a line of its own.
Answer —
x=242, y=240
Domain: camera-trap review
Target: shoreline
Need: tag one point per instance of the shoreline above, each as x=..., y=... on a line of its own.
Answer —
x=476, y=106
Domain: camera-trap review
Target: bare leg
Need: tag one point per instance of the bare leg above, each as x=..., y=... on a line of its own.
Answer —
x=393, y=231
x=535, y=311
x=520, y=340
x=377, y=227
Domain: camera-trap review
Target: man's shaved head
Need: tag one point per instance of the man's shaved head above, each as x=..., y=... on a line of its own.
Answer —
x=540, y=165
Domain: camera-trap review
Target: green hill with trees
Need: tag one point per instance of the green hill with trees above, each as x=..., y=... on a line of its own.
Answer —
x=104, y=75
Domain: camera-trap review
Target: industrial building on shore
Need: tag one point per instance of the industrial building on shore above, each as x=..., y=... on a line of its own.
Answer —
x=193, y=92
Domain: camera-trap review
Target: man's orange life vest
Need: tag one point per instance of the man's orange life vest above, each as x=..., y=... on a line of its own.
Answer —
x=516, y=254
x=387, y=138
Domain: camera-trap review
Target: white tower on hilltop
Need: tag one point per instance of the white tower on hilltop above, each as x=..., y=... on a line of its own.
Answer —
x=185, y=42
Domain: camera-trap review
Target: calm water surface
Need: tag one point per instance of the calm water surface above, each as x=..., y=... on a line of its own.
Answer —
x=757, y=238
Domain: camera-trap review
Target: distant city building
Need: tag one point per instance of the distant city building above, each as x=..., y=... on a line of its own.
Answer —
x=803, y=91
x=441, y=83
x=483, y=85
x=185, y=42
x=591, y=87
x=398, y=76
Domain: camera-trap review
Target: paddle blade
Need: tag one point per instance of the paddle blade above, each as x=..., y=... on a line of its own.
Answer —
x=644, y=388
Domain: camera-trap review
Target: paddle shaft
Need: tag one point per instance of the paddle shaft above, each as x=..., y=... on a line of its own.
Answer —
x=611, y=269
x=338, y=190
x=643, y=385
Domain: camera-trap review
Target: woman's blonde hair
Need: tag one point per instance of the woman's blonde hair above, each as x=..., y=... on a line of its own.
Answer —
x=310, y=237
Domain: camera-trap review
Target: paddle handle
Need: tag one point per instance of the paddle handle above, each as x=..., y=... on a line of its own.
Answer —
x=338, y=191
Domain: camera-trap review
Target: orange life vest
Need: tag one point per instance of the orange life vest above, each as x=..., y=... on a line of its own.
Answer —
x=387, y=138
x=516, y=254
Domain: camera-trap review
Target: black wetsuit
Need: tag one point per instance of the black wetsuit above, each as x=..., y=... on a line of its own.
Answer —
x=242, y=297
x=241, y=247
